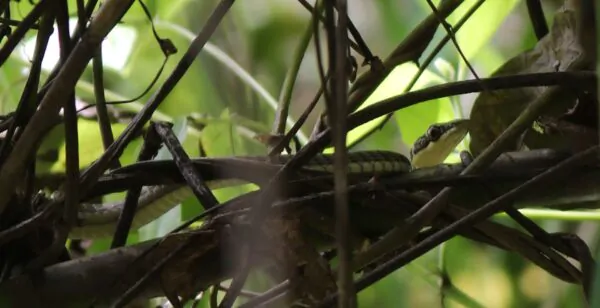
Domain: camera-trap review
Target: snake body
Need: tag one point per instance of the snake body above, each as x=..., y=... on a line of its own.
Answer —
x=99, y=220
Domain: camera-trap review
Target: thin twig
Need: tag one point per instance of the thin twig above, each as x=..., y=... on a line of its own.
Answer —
x=338, y=55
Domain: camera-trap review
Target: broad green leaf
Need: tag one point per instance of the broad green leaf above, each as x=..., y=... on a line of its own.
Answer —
x=90, y=144
x=12, y=82
x=393, y=85
x=488, y=62
x=475, y=34
x=414, y=121
x=221, y=138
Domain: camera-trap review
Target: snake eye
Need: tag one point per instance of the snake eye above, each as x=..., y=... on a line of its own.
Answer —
x=434, y=133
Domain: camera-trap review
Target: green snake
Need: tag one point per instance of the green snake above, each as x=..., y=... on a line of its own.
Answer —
x=432, y=148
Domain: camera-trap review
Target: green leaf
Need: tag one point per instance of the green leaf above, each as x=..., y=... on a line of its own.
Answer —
x=90, y=144
x=12, y=82
x=221, y=139
x=476, y=33
x=414, y=121
x=393, y=85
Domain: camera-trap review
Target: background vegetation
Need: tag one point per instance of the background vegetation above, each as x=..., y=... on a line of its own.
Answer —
x=232, y=90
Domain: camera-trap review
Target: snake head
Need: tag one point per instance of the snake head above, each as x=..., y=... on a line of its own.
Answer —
x=438, y=142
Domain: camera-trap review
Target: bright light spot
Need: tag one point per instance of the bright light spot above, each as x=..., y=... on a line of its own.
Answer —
x=116, y=48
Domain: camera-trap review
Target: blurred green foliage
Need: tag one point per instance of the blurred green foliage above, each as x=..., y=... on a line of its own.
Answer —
x=256, y=41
